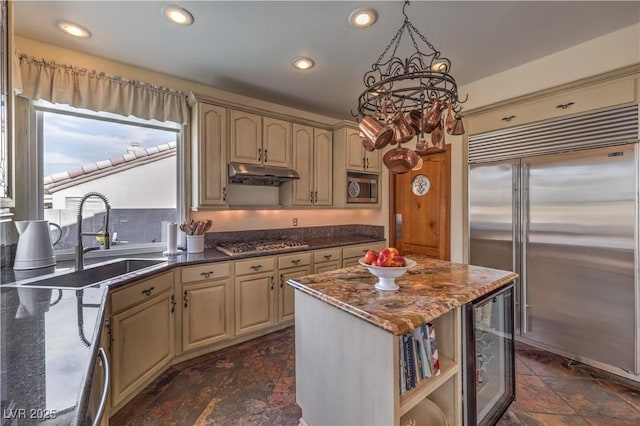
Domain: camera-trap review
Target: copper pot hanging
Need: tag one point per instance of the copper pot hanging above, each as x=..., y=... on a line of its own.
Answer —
x=400, y=160
x=368, y=145
x=449, y=122
x=458, y=127
x=434, y=114
x=378, y=133
x=415, y=120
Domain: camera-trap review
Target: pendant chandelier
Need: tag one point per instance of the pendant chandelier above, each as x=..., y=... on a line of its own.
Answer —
x=404, y=98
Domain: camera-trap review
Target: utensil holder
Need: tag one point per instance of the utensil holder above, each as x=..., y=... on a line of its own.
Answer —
x=195, y=243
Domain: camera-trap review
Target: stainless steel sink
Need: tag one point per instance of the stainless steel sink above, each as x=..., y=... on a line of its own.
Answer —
x=92, y=274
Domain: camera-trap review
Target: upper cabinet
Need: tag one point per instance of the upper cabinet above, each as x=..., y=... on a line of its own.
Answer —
x=209, y=160
x=357, y=158
x=259, y=140
x=618, y=91
x=313, y=160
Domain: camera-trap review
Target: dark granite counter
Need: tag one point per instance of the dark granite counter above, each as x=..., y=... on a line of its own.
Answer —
x=49, y=336
x=427, y=290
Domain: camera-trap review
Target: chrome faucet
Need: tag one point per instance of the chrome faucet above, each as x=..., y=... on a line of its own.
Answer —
x=80, y=250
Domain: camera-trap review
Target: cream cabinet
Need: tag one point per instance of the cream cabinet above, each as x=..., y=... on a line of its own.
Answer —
x=142, y=327
x=207, y=305
x=209, y=156
x=259, y=140
x=349, y=156
x=290, y=266
x=351, y=254
x=313, y=160
x=255, y=295
x=357, y=158
x=618, y=91
x=327, y=260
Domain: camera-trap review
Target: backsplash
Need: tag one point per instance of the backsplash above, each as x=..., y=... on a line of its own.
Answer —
x=303, y=233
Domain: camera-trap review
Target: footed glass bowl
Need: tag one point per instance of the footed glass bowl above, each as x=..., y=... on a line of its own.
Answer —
x=387, y=274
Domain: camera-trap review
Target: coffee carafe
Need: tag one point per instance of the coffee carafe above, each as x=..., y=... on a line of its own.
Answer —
x=35, y=248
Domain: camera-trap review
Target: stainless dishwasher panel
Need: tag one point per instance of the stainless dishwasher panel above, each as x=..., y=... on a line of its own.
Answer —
x=580, y=253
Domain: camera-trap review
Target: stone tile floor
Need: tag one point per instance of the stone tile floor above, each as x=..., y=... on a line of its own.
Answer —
x=253, y=383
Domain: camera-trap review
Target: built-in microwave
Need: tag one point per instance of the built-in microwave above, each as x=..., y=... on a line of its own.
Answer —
x=362, y=188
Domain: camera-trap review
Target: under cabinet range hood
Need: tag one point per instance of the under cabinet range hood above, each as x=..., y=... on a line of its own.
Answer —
x=253, y=174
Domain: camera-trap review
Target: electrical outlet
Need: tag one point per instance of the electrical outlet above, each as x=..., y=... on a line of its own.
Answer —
x=295, y=221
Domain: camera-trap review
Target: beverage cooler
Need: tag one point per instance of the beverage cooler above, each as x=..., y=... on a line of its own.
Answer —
x=488, y=357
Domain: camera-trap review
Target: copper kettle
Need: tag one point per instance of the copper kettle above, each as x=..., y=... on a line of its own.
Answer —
x=434, y=114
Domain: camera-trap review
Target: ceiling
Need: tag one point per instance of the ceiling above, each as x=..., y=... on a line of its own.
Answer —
x=247, y=47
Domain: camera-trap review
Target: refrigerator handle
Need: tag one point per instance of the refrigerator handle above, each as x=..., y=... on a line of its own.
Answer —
x=526, y=323
x=515, y=226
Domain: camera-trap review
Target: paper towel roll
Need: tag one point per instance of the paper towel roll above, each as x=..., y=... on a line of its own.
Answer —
x=172, y=239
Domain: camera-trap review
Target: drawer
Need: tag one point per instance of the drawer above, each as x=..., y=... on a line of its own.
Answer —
x=256, y=265
x=205, y=272
x=139, y=292
x=291, y=260
x=359, y=250
x=326, y=255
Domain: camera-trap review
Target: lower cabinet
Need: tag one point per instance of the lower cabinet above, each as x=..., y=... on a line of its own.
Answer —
x=352, y=254
x=255, y=295
x=327, y=260
x=290, y=266
x=142, y=327
x=207, y=305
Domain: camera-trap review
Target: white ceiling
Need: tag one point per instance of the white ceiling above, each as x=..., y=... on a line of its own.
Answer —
x=246, y=47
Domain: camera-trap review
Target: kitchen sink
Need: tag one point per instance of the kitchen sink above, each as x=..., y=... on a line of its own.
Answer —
x=92, y=274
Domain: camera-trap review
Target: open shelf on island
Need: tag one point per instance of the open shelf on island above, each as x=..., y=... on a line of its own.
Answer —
x=409, y=399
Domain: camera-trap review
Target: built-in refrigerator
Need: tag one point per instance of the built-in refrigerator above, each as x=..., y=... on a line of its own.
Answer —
x=560, y=208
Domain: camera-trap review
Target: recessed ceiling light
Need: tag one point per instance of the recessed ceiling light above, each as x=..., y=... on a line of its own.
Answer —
x=363, y=17
x=302, y=63
x=178, y=15
x=74, y=29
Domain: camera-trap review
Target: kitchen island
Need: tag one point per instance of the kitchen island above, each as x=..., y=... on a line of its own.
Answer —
x=347, y=345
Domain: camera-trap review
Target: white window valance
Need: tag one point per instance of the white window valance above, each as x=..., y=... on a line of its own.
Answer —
x=97, y=91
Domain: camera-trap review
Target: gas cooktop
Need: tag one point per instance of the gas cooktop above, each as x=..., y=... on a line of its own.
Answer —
x=236, y=248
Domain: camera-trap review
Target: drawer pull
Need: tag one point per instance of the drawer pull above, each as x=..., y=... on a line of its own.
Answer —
x=256, y=267
x=295, y=261
x=564, y=106
x=147, y=292
x=281, y=281
x=328, y=256
x=509, y=118
x=206, y=274
x=365, y=250
x=271, y=281
x=185, y=298
x=173, y=303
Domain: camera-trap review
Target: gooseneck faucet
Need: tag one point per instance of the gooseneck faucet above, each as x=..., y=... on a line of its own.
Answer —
x=80, y=250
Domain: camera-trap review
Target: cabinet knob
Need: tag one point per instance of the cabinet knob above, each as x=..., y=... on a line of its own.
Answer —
x=147, y=292
x=256, y=267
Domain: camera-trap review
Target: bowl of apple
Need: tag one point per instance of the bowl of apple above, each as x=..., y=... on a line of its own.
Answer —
x=387, y=265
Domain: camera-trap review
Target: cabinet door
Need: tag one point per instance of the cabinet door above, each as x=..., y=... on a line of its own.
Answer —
x=210, y=173
x=323, y=168
x=254, y=302
x=355, y=152
x=286, y=303
x=276, y=145
x=303, y=164
x=246, y=137
x=206, y=313
x=373, y=161
x=143, y=343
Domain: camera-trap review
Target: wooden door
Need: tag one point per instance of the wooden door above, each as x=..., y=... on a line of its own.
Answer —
x=254, y=302
x=276, y=142
x=246, y=137
x=421, y=208
x=303, y=164
x=323, y=168
x=206, y=313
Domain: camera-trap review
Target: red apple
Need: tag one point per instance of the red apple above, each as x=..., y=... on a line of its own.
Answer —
x=385, y=257
x=370, y=256
x=394, y=251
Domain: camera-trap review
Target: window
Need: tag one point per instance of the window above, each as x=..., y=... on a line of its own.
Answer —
x=133, y=162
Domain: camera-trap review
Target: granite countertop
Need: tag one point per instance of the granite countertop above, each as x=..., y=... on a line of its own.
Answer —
x=49, y=336
x=427, y=290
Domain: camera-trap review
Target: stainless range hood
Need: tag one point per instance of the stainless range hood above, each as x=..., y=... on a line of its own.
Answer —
x=252, y=174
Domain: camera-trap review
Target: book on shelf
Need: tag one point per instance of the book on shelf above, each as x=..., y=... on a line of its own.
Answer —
x=418, y=356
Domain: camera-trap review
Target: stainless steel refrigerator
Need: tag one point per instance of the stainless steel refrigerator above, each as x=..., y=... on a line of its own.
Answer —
x=568, y=224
